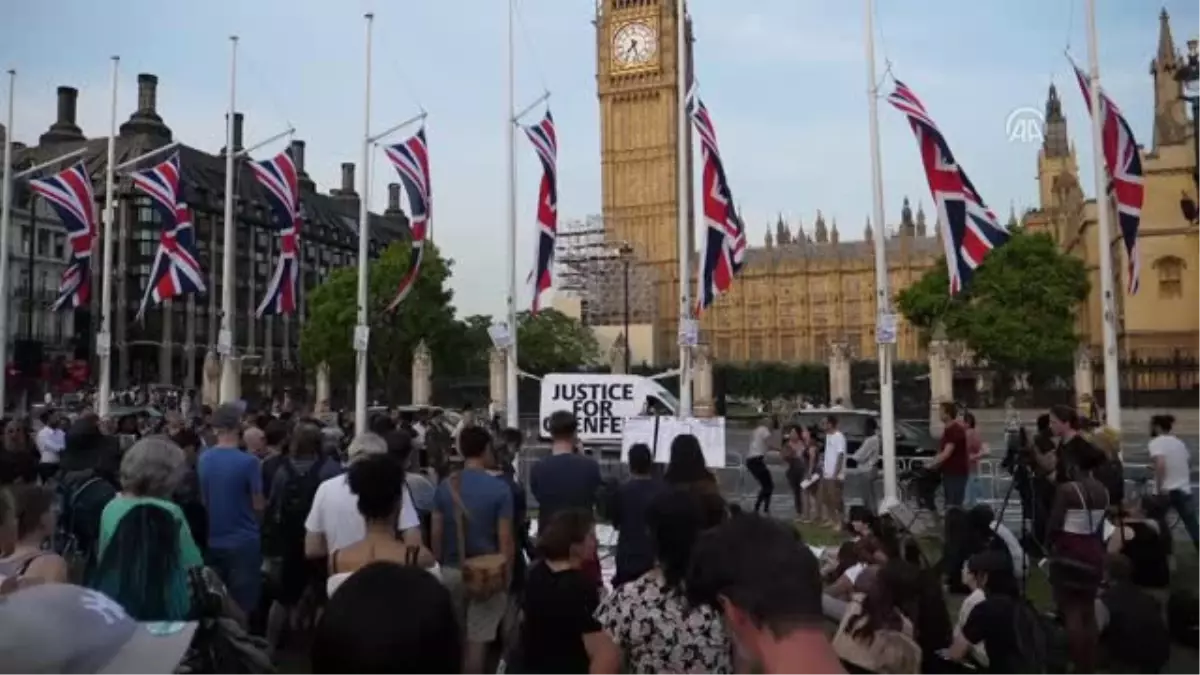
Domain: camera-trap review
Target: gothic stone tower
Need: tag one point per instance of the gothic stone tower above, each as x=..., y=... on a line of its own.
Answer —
x=637, y=75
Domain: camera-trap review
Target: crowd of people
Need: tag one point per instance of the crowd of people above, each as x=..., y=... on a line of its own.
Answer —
x=244, y=542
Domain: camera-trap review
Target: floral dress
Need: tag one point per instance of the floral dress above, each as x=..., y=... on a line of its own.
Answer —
x=659, y=632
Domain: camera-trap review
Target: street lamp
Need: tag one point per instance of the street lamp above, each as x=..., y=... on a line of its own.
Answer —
x=1189, y=77
x=625, y=251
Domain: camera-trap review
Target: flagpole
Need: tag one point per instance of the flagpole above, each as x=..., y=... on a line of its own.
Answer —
x=361, y=331
x=510, y=407
x=229, y=388
x=883, y=295
x=1112, y=378
x=104, y=337
x=682, y=225
x=5, y=223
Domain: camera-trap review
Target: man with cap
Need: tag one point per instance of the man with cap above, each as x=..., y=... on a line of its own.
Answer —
x=60, y=628
x=231, y=488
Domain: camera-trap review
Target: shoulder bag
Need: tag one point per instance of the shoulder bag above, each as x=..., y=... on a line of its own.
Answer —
x=483, y=575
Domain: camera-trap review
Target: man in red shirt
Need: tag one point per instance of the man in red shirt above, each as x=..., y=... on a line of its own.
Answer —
x=952, y=458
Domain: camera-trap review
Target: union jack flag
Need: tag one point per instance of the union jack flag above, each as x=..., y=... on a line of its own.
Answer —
x=411, y=159
x=725, y=235
x=1124, y=164
x=545, y=141
x=176, y=270
x=970, y=231
x=280, y=180
x=70, y=195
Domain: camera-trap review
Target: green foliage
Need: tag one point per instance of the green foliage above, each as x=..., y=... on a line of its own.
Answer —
x=772, y=380
x=425, y=314
x=1018, y=313
x=551, y=341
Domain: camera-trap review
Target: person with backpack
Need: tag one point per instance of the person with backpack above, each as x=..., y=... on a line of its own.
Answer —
x=294, y=487
x=87, y=483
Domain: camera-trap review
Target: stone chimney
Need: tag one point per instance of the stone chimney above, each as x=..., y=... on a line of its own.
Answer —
x=296, y=149
x=393, y=202
x=239, y=122
x=64, y=129
x=145, y=120
x=347, y=189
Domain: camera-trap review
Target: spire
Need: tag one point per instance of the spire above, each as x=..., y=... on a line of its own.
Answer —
x=1164, y=57
x=822, y=235
x=782, y=235
x=868, y=233
x=801, y=237
x=1013, y=223
x=906, y=218
x=833, y=233
x=769, y=241
x=1170, y=115
x=1055, y=142
x=920, y=220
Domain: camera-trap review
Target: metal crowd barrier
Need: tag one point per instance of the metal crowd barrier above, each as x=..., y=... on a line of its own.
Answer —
x=736, y=483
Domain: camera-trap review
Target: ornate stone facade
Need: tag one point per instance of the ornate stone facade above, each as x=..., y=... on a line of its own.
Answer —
x=1163, y=317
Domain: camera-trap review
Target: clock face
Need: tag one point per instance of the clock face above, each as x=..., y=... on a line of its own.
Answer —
x=634, y=44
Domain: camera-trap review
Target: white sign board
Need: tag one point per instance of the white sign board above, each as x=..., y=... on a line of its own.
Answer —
x=500, y=335
x=659, y=432
x=601, y=402
x=885, y=331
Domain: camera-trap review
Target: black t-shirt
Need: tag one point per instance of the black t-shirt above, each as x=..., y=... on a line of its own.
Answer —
x=994, y=623
x=559, y=609
x=1068, y=456
x=565, y=481
x=635, y=550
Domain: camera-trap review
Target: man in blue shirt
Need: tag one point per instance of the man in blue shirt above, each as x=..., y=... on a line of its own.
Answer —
x=487, y=505
x=231, y=487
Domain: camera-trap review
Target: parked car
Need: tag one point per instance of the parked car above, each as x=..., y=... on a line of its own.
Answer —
x=911, y=441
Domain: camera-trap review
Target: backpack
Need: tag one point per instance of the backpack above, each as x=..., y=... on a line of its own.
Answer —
x=295, y=500
x=80, y=504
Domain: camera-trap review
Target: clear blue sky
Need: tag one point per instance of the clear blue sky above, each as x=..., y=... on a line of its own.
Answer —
x=784, y=80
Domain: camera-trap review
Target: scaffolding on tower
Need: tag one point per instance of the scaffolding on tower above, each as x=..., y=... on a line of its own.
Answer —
x=612, y=286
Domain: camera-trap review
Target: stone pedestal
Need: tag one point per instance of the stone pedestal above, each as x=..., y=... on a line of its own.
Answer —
x=941, y=378
x=616, y=356
x=210, y=390
x=322, y=389
x=1085, y=384
x=839, y=373
x=497, y=379
x=422, y=371
x=703, y=404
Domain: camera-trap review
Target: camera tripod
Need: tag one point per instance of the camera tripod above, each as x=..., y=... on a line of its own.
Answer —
x=1020, y=473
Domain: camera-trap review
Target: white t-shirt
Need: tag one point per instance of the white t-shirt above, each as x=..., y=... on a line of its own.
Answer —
x=335, y=514
x=835, y=447
x=1176, y=474
x=758, y=442
x=50, y=442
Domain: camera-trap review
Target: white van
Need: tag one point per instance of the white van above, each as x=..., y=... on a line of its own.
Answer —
x=601, y=402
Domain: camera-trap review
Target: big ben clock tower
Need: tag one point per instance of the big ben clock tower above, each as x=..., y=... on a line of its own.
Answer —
x=637, y=75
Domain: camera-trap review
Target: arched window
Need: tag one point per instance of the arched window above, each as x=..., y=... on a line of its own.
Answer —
x=1170, y=276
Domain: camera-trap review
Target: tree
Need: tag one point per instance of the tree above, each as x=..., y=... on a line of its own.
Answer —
x=551, y=341
x=1018, y=312
x=426, y=314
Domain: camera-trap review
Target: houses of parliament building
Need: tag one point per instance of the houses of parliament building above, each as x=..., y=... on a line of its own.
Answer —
x=807, y=286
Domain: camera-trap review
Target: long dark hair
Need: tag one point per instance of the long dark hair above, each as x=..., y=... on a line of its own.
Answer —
x=675, y=519
x=140, y=568
x=686, y=464
x=892, y=595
